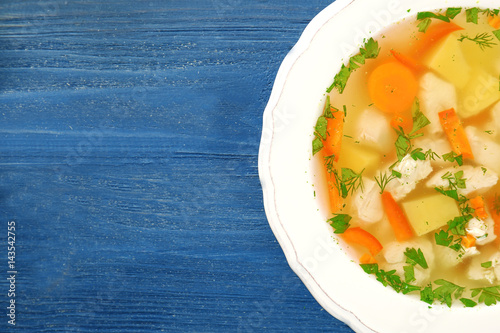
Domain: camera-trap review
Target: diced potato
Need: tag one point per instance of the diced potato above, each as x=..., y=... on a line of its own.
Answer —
x=479, y=93
x=449, y=62
x=357, y=157
x=431, y=212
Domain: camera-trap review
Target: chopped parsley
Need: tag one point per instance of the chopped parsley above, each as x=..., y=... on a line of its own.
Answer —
x=453, y=157
x=320, y=127
x=487, y=264
x=453, y=11
x=471, y=14
x=468, y=302
x=320, y=130
x=458, y=224
x=409, y=273
x=446, y=291
x=370, y=50
x=455, y=182
x=403, y=141
x=415, y=257
x=488, y=295
x=425, y=18
x=389, y=278
x=443, y=238
x=496, y=204
x=340, y=223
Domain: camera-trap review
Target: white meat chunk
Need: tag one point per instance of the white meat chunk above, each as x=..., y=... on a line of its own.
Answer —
x=394, y=251
x=477, y=272
x=373, y=129
x=421, y=275
x=486, y=151
x=476, y=178
x=435, y=96
x=439, y=146
x=411, y=173
x=483, y=231
x=495, y=263
x=447, y=258
x=367, y=203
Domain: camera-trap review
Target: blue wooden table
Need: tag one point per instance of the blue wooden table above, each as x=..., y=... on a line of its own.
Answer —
x=128, y=163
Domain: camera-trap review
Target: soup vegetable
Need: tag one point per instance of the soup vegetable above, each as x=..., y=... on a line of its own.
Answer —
x=409, y=144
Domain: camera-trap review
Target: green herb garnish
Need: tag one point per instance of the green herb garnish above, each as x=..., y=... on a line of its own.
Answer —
x=348, y=182
x=340, y=223
x=443, y=238
x=383, y=179
x=486, y=264
x=409, y=273
x=446, y=291
x=370, y=50
x=403, y=141
x=317, y=145
x=453, y=157
x=389, y=278
x=468, y=302
x=453, y=11
x=458, y=224
x=496, y=33
x=320, y=130
x=415, y=257
x=471, y=15
x=496, y=204
x=483, y=40
x=425, y=18
x=488, y=295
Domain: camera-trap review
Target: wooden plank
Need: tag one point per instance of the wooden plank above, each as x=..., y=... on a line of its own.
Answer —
x=130, y=133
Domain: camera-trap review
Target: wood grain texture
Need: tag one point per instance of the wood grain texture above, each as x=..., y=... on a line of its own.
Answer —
x=130, y=133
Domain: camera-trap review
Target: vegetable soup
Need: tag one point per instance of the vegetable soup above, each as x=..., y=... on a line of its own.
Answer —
x=408, y=145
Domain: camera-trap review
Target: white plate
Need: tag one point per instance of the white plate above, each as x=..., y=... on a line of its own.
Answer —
x=285, y=169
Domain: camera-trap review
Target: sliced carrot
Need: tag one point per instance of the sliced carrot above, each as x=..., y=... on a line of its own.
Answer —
x=367, y=258
x=334, y=134
x=477, y=204
x=392, y=87
x=334, y=198
x=428, y=39
x=409, y=62
x=494, y=21
x=496, y=218
x=403, y=120
x=397, y=218
x=454, y=130
x=468, y=241
x=362, y=237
